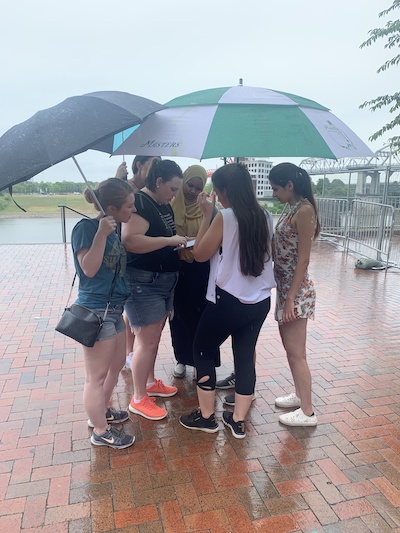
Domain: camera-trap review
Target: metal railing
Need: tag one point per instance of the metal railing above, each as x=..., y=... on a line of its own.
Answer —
x=333, y=216
x=361, y=226
x=369, y=229
x=63, y=222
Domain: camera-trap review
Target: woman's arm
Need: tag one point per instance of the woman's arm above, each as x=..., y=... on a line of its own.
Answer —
x=209, y=237
x=304, y=222
x=90, y=259
x=135, y=240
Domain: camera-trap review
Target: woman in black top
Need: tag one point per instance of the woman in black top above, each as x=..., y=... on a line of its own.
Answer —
x=151, y=276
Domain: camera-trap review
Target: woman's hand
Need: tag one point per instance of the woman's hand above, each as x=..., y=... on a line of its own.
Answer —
x=122, y=171
x=177, y=240
x=107, y=225
x=206, y=203
x=288, y=314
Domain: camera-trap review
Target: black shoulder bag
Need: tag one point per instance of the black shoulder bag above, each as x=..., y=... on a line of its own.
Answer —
x=82, y=324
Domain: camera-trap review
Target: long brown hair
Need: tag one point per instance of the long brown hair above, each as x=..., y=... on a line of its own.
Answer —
x=235, y=182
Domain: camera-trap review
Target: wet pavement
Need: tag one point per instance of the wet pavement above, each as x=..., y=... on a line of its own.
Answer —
x=343, y=475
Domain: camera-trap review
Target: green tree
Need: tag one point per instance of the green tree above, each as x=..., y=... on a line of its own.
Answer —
x=322, y=186
x=391, y=34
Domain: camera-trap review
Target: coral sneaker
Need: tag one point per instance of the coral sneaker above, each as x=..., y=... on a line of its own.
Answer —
x=148, y=408
x=161, y=390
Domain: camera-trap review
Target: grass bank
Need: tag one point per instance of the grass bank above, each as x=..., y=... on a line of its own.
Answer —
x=38, y=205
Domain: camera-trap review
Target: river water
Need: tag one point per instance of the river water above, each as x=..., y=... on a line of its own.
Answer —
x=34, y=230
x=39, y=230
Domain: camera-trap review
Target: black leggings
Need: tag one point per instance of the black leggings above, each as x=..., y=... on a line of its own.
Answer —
x=228, y=316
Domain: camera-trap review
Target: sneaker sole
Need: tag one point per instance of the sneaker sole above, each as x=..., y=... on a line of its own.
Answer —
x=161, y=394
x=89, y=422
x=179, y=376
x=225, y=387
x=287, y=405
x=206, y=430
x=121, y=447
x=137, y=412
x=232, y=431
x=298, y=424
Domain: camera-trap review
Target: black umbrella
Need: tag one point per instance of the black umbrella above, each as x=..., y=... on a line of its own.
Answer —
x=77, y=124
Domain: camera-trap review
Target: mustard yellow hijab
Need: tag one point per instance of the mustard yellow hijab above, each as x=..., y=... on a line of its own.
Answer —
x=188, y=216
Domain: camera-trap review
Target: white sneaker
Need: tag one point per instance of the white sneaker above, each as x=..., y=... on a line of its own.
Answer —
x=291, y=400
x=179, y=370
x=298, y=418
x=128, y=362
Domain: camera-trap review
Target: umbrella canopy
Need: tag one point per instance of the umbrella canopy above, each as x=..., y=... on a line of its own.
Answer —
x=67, y=129
x=244, y=122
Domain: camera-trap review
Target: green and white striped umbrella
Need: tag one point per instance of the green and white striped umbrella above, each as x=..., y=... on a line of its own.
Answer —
x=243, y=121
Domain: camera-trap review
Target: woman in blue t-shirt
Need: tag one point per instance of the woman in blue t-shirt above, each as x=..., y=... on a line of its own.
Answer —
x=100, y=262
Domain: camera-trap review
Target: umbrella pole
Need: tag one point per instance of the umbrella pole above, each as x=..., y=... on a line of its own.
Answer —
x=89, y=187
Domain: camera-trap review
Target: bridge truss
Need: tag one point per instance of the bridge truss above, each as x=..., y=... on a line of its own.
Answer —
x=383, y=160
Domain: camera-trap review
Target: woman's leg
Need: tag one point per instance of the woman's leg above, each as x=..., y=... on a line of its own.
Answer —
x=244, y=342
x=294, y=335
x=130, y=336
x=147, y=341
x=117, y=362
x=97, y=365
x=213, y=329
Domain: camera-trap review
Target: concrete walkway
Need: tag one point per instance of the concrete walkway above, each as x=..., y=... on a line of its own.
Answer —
x=343, y=475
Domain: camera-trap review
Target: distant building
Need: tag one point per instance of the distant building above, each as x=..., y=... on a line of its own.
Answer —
x=259, y=170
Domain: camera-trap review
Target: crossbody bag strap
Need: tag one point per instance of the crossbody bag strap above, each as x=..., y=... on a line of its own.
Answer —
x=70, y=290
x=114, y=281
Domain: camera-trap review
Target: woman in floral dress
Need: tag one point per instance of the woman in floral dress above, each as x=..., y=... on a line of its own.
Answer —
x=295, y=301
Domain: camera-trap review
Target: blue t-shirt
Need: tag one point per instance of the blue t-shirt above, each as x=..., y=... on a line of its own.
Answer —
x=93, y=292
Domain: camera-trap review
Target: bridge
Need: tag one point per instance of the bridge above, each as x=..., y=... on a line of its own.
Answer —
x=384, y=160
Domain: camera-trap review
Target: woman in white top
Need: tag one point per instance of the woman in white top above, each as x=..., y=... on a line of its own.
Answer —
x=238, y=242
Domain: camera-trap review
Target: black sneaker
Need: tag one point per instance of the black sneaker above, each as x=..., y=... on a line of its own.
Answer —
x=112, y=437
x=195, y=420
x=230, y=399
x=227, y=383
x=113, y=417
x=237, y=428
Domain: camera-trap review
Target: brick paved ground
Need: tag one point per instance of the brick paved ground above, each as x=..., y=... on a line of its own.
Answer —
x=343, y=475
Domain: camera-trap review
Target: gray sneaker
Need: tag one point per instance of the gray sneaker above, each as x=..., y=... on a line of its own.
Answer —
x=227, y=383
x=230, y=399
x=113, y=417
x=112, y=438
x=179, y=370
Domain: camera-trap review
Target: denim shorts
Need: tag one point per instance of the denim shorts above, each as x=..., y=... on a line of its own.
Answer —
x=113, y=324
x=151, y=296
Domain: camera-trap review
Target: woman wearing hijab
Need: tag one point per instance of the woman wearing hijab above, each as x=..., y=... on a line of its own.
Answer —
x=190, y=292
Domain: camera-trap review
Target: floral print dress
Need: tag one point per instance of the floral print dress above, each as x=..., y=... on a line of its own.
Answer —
x=285, y=246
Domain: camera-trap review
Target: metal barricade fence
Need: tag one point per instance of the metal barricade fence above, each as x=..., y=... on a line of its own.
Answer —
x=369, y=229
x=363, y=227
x=333, y=213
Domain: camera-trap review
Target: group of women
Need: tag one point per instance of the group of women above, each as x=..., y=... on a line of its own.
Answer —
x=222, y=288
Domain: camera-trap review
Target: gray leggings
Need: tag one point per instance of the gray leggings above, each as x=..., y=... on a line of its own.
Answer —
x=228, y=316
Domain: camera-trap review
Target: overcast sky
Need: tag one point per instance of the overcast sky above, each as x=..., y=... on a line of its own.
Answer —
x=163, y=49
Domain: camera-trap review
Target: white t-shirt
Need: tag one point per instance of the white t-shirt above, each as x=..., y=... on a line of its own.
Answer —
x=225, y=267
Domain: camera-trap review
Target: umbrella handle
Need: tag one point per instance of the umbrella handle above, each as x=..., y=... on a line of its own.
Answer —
x=96, y=200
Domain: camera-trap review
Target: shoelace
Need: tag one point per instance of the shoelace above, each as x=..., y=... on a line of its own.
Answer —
x=159, y=384
x=150, y=401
